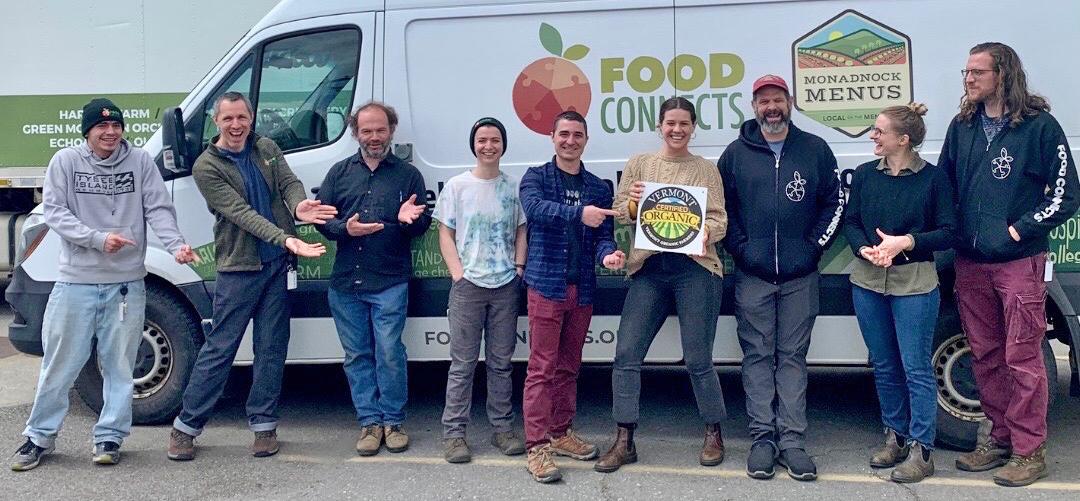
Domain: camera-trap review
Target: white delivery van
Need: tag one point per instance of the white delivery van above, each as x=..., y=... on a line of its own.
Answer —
x=443, y=64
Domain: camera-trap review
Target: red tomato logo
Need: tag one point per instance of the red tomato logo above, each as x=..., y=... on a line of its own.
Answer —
x=551, y=85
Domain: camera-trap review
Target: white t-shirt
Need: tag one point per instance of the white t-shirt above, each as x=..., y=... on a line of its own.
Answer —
x=485, y=215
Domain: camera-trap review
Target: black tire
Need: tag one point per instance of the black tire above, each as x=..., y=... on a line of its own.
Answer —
x=166, y=354
x=959, y=412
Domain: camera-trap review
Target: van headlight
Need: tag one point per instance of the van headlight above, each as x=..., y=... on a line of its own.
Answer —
x=27, y=241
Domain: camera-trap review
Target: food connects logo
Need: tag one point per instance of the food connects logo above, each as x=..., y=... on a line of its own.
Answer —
x=551, y=85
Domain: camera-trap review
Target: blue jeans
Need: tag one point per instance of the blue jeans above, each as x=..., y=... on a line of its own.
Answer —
x=259, y=297
x=369, y=325
x=75, y=316
x=899, y=332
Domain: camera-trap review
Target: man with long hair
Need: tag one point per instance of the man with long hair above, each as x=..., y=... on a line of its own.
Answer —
x=1015, y=181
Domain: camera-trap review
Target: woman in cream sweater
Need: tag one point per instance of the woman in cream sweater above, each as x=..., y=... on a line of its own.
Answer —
x=662, y=280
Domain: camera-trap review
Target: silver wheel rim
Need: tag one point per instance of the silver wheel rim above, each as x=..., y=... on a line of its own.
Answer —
x=949, y=358
x=154, y=363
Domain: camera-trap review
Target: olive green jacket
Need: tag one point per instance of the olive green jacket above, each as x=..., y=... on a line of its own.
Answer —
x=237, y=224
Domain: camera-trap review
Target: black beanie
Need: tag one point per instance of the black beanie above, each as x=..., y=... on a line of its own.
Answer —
x=99, y=110
x=485, y=122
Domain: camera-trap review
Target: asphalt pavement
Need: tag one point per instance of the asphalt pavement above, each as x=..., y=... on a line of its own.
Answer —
x=318, y=432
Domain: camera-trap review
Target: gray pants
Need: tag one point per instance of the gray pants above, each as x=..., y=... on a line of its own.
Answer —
x=774, y=324
x=696, y=294
x=474, y=310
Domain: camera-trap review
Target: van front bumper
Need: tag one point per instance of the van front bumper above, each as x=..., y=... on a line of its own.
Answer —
x=27, y=298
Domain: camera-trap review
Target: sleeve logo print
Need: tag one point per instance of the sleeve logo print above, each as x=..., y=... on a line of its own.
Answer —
x=105, y=184
x=796, y=188
x=1002, y=165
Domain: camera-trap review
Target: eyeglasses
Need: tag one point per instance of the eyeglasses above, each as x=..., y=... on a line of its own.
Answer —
x=879, y=131
x=977, y=73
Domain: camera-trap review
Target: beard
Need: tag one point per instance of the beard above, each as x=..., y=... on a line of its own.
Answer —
x=777, y=127
x=375, y=152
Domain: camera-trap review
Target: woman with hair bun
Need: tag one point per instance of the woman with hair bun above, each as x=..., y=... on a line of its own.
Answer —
x=900, y=211
x=663, y=281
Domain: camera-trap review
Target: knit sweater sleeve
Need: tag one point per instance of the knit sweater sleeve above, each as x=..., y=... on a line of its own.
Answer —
x=631, y=174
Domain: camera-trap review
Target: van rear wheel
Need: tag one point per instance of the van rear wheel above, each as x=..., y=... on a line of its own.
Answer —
x=166, y=355
x=959, y=410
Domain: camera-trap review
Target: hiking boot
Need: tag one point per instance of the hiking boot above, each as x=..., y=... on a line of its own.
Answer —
x=456, y=450
x=106, y=453
x=28, y=456
x=370, y=440
x=987, y=456
x=761, y=463
x=1023, y=470
x=508, y=443
x=798, y=463
x=572, y=446
x=890, y=454
x=265, y=445
x=181, y=446
x=712, y=452
x=541, y=466
x=396, y=440
x=623, y=451
x=918, y=465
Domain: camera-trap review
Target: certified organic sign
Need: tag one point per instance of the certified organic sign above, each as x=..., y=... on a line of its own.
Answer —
x=848, y=69
x=671, y=218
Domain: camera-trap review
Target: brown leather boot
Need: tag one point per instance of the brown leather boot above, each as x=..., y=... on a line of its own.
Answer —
x=712, y=452
x=1023, y=470
x=891, y=454
x=621, y=452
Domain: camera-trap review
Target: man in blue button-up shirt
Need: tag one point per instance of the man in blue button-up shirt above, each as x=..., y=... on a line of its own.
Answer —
x=569, y=230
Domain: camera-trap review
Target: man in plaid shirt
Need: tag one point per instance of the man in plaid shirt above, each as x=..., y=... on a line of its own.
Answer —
x=570, y=232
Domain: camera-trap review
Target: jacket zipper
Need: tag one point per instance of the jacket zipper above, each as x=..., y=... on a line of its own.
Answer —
x=989, y=143
x=776, y=221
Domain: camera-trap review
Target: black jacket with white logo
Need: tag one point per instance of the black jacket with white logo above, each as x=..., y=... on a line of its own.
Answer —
x=782, y=213
x=1024, y=178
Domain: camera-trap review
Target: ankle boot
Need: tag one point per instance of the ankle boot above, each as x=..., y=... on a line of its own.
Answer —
x=712, y=452
x=622, y=452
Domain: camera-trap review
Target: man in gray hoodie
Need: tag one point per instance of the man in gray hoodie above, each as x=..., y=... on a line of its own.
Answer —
x=98, y=197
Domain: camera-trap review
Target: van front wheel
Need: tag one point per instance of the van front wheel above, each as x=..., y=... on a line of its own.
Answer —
x=959, y=409
x=166, y=355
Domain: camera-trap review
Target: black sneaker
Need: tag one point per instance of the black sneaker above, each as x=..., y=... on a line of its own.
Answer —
x=762, y=460
x=798, y=463
x=28, y=456
x=106, y=453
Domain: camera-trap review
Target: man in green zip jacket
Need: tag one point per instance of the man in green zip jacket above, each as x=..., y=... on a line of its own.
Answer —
x=254, y=197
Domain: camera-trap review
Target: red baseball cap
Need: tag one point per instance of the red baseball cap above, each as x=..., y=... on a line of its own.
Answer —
x=767, y=80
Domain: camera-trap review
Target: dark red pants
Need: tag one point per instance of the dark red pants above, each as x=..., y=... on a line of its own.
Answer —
x=556, y=334
x=1003, y=311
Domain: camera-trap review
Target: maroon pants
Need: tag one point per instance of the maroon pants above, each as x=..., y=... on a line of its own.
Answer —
x=556, y=334
x=1003, y=311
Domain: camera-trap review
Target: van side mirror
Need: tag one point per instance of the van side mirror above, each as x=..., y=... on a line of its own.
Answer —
x=174, y=148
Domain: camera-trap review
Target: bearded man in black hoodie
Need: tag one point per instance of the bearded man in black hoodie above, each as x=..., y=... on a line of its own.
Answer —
x=1014, y=181
x=784, y=204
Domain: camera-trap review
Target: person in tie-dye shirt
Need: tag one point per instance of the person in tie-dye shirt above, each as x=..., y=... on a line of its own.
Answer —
x=482, y=239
